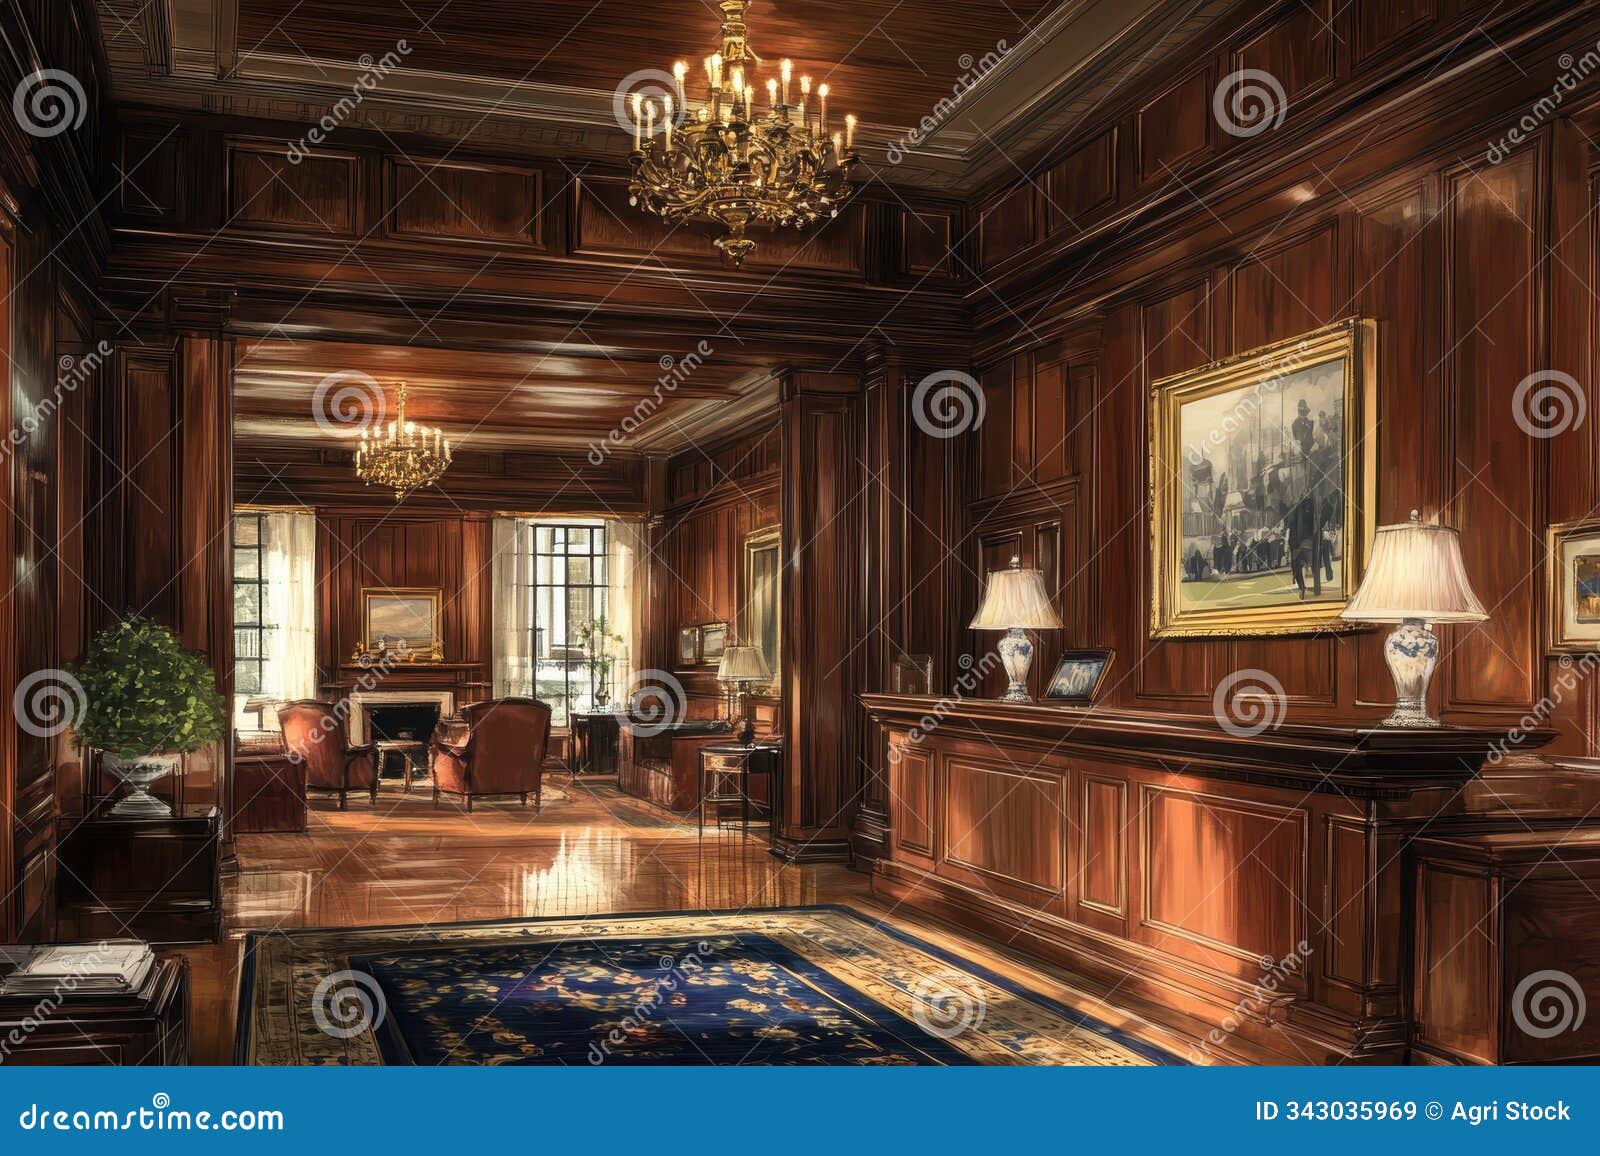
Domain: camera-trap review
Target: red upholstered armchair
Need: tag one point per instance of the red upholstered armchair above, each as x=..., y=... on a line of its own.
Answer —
x=316, y=732
x=497, y=748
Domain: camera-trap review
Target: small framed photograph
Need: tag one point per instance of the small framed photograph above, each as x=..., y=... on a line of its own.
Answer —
x=713, y=641
x=1574, y=567
x=688, y=645
x=1079, y=676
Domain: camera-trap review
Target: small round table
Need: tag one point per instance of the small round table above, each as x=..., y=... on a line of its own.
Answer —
x=731, y=784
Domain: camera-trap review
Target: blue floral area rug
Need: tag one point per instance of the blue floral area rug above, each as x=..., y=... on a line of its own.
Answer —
x=800, y=985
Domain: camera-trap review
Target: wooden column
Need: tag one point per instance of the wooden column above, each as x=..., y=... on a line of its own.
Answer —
x=822, y=612
x=170, y=557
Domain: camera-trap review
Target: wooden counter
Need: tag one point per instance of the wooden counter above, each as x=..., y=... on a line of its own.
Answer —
x=1265, y=884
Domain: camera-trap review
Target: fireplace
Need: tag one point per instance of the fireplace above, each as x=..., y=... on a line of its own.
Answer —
x=403, y=722
x=366, y=705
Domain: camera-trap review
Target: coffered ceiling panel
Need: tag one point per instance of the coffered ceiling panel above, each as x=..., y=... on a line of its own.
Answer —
x=318, y=391
x=889, y=61
x=980, y=80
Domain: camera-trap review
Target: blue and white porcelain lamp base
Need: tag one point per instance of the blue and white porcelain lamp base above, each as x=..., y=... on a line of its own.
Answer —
x=1016, y=654
x=1411, y=652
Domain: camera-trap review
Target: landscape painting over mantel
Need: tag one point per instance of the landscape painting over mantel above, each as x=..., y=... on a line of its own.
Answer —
x=1257, y=526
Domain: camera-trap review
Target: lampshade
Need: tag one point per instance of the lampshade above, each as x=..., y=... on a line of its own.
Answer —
x=1416, y=572
x=743, y=664
x=1015, y=598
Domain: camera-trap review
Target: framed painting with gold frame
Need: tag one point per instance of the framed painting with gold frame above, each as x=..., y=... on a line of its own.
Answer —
x=1262, y=487
x=392, y=615
x=761, y=601
x=1572, y=566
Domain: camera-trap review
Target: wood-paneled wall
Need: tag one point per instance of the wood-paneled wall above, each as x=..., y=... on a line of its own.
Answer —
x=715, y=497
x=52, y=244
x=365, y=547
x=1476, y=269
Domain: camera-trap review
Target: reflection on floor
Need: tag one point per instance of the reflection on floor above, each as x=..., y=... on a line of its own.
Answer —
x=589, y=851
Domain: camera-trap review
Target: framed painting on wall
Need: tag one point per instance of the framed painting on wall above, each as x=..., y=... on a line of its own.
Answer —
x=688, y=645
x=713, y=641
x=1573, y=566
x=761, y=614
x=1262, y=476
x=404, y=620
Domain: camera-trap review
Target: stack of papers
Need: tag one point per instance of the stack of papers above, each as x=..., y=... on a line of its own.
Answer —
x=115, y=967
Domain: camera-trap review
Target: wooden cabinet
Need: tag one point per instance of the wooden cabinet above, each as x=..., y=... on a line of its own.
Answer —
x=154, y=878
x=1508, y=942
x=1268, y=884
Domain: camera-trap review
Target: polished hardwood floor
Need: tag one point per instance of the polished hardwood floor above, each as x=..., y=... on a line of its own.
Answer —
x=590, y=850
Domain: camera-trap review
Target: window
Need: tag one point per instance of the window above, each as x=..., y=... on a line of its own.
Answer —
x=249, y=605
x=274, y=613
x=569, y=592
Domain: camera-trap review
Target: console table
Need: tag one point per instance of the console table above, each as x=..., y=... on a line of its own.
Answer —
x=1185, y=865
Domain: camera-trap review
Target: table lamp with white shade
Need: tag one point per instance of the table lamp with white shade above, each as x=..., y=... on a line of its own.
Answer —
x=1016, y=601
x=741, y=668
x=1416, y=577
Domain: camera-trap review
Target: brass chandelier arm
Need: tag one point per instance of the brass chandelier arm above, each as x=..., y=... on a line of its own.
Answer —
x=723, y=161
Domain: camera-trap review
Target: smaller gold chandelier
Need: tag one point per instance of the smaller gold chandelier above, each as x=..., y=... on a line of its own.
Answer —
x=725, y=162
x=403, y=456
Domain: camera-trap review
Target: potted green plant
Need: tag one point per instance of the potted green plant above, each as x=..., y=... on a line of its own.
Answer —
x=598, y=640
x=149, y=702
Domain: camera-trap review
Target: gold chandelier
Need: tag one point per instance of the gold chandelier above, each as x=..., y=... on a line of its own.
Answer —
x=403, y=456
x=723, y=161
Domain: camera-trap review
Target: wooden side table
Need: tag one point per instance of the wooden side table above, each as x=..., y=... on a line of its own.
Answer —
x=594, y=742
x=726, y=769
x=154, y=878
x=411, y=751
x=148, y=1027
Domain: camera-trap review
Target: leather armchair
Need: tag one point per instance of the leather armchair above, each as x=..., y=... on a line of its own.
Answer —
x=331, y=763
x=496, y=748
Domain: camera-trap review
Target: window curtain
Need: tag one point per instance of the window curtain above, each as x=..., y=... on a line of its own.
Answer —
x=626, y=575
x=290, y=645
x=511, y=581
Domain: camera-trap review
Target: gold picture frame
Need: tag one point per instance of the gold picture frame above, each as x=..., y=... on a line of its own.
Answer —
x=390, y=615
x=761, y=600
x=1572, y=563
x=1283, y=555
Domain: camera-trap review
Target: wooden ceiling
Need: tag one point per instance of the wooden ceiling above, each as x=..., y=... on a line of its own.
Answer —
x=490, y=401
x=982, y=78
x=889, y=61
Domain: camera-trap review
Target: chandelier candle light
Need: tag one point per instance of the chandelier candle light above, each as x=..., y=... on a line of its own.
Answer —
x=1416, y=577
x=1016, y=601
x=403, y=456
x=724, y=161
